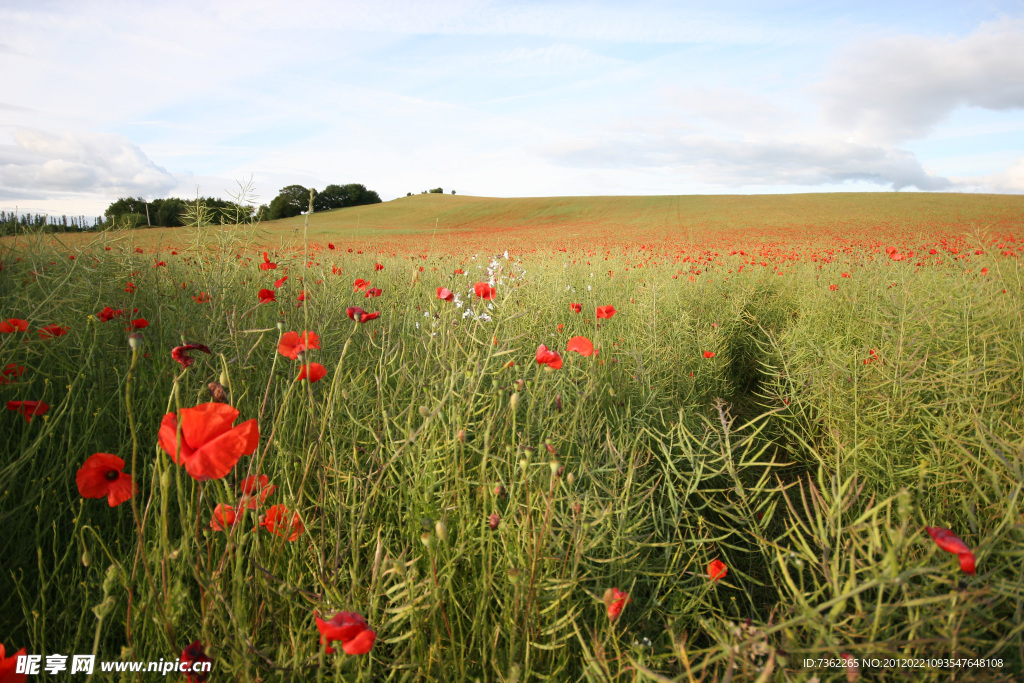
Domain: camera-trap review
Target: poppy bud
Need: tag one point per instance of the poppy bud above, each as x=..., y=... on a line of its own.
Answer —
x=427, y=539
x=493, y=521
x=424, y=411
x=513, y=402
x=135, y=341
x=165, y=481
x=570, y=478
x=344, y=394
x=461, y=436
x=86, y=558
x=441, y=529
x=225, y=379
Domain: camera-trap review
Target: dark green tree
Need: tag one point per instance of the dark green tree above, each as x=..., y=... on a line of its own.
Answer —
x=340, y=196
x=290, y=201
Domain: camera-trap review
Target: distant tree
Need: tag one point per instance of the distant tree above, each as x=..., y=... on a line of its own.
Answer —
x=126, y=205
x=437, y=190
x=166, y=212
x=453, y=191
x=408, y=194
x=291, y=201
x=340, y=196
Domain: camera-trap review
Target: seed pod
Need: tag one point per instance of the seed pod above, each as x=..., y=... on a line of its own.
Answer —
x=513, y=402
x=427, y=539
x=135, y=341
x=424, y=411
x=441, y=529
x=217, y=392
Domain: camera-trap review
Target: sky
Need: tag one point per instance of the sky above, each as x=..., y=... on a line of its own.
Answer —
x=107, y=99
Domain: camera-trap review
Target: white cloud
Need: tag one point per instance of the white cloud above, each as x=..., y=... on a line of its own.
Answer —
x=78, y=162
x=901, y=87
x=771, y=162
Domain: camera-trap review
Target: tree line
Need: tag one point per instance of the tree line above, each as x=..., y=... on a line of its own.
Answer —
x=290, y=201
x=14, y=222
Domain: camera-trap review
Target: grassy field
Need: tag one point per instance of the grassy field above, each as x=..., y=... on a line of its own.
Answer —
x=790, y=391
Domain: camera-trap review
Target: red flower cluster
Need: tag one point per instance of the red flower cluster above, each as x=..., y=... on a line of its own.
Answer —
x=547, y=357
x=277, y=522
x=292, y=343
x=13, y=325
x=614, y=601
x=946, y=540
x=210, y=443
x=576, y=308
x=28, y=408
x=361, y=316
x=484, y=291
x=108, y=314
x=179, y=353
x=192, y=655
x=348, y=628
x=101, y=476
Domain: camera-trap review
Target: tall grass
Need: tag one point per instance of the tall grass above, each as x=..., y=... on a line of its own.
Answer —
x=810, y=473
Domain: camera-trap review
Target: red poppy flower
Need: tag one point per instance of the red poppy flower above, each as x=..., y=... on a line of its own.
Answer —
x=576, y=308
x=606, y=311
x=292, y=343
x=373, y=292
x=615, y=600
x=100, y=475
x=11, y=373
x=53, y=331
x=833, y=287
x=484, y=291
x=179, y=354
x=201, y=298
x=139, y=324
x=459, y=271
x=303, y=295
x=581, y=345
x=445, y=294
x=276, y=522
x=350, y=629
x=210, y=446
x=267, y=265
x=224, y=516
x=949, y=542
x=315, y=373
x=330, y=245
x=549, y=358
x=108, y=314
x=366, y=317
x=196, y=665
x=717, y=570
x=378, y=266
x=709, y=354
x=130, y=288
x=28, y=408
x=266, y=296
x=13, y=325
x=9, y=666
x=278, y=283
x=360, y=285
x=255, y=491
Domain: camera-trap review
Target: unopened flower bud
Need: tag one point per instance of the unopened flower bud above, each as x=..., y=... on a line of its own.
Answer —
x=225, y=379
x=570, y=479
x=135, y=341
x=427, y=539
x=493, y=521
x=86, y=558
x=461, y=436
x=513, y=402
x=424, y=411
x=441, y=529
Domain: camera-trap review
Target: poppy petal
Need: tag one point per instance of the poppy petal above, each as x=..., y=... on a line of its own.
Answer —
x=215, y=458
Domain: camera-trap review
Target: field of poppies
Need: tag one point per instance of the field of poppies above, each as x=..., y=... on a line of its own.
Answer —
x=696, y=441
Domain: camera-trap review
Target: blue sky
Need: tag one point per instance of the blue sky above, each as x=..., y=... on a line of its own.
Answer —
x=109, y=99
